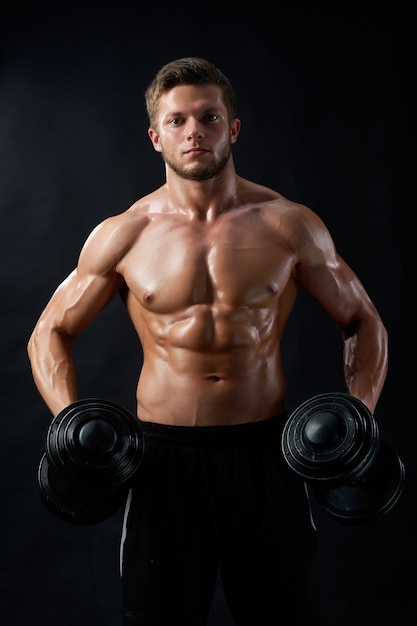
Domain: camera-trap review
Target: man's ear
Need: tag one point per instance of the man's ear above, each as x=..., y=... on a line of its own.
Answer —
x=234, y=130
x=154, y=137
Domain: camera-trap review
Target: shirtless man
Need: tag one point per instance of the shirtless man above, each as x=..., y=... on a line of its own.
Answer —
x=208, y=267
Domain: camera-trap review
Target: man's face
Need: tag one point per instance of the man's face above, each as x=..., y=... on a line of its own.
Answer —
x=193, y=132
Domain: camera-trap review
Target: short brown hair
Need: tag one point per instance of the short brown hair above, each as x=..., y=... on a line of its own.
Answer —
x=188, y=71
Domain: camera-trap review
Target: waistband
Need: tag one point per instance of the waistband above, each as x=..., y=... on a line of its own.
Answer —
x=214, y=435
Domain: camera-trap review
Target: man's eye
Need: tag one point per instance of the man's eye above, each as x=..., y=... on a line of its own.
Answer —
x=175, y=121
x=212, y=117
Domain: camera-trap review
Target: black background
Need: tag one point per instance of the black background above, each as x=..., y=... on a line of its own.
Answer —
x=327, y=106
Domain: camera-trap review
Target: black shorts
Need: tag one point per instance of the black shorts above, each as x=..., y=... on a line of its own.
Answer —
x=209, y=499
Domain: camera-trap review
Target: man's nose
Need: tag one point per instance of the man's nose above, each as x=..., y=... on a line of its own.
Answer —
x=194, y=131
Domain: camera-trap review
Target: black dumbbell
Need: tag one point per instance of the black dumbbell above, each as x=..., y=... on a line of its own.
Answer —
x=93, y=450
x=332, y=441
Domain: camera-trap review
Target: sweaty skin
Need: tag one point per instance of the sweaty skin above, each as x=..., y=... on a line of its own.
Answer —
x=208, y=267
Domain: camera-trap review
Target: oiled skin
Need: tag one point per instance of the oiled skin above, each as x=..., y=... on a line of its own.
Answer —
x=209, y=272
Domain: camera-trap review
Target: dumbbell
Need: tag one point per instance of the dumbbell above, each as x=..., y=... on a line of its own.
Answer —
x=93, y=450
x=333, y=442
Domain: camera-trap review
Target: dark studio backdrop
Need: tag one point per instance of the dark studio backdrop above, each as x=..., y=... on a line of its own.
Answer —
x=326, y=102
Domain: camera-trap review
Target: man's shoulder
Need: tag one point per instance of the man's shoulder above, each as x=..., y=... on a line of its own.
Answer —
x=279, y=211
x=138, y=213
x=267, y=197
x=150, y=203
x=123, y=227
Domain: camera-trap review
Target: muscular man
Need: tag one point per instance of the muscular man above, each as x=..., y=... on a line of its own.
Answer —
x=208, y=267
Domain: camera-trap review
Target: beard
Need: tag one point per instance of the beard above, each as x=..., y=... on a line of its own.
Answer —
x=199, y=171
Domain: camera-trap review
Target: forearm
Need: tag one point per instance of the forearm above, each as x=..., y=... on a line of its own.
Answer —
x=53, y=368
x=366, y=362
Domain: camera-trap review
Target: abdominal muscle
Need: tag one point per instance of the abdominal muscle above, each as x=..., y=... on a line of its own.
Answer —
x=211, y=367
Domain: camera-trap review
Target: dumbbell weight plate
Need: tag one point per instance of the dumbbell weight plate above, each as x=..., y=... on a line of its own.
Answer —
x=96, y=440
x=331, y=437
x=70, y=501
x=368, y=498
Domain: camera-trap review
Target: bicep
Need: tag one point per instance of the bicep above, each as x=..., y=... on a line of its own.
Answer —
x=325, y=275
x=332, y=283
x=89, y=287
x=78, y=300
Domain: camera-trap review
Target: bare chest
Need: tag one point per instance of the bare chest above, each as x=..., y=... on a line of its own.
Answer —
x=177, y=265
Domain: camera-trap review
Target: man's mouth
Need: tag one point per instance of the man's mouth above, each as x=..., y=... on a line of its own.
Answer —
x=197, y=150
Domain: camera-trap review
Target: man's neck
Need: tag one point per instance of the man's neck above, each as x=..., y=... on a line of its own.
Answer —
x=205, y=199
